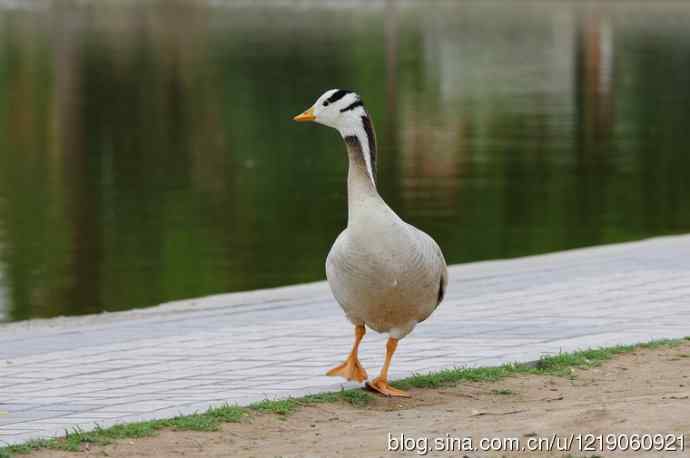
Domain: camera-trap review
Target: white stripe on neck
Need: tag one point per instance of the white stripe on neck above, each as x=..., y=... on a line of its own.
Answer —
x=363, y=138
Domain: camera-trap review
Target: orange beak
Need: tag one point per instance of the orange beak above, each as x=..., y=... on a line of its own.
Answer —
x=306, y=116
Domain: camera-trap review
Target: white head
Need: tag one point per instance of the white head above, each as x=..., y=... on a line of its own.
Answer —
x=344, y=111
x=337, y=108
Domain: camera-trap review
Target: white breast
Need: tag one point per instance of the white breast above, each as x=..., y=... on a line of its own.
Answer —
x=385, y=273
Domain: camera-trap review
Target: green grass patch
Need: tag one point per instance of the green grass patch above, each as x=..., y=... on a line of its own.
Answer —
x=503, y=392
x=358, y=398
x=74, y=439
x=562, y=364
x=660, y=343
x=558, y=365
x=355, y=397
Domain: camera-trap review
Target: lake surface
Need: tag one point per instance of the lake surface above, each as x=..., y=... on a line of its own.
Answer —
x=147, y=151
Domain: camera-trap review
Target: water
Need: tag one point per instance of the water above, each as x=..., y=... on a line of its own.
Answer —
x=147, y=151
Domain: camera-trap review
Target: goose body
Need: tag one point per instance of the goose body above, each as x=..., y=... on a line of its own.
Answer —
x=385, y=273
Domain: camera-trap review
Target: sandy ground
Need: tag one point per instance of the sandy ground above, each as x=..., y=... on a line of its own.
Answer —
x=643, y=392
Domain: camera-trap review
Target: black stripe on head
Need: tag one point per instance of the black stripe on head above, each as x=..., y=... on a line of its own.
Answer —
x=337, y=95
x=352, y=106
x=369, y=129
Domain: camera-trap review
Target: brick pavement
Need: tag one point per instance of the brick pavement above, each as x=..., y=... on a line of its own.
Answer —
x=186, y=356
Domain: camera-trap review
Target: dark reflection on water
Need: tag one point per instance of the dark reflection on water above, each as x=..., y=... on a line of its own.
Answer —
x=147, y=151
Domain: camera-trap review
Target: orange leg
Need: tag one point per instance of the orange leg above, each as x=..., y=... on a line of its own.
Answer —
x=351, y=369
x=380, y=383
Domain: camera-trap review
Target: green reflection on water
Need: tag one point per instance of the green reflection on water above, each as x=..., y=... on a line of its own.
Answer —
x=147, y=152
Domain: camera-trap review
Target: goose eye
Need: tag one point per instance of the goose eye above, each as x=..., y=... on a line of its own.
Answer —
x=325, y=103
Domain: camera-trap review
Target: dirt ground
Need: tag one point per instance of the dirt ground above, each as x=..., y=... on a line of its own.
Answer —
x=647, y=391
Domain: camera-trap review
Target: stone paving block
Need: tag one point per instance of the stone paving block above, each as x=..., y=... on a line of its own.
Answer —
x=244, y=347
x=139, y=407
x=7, y=432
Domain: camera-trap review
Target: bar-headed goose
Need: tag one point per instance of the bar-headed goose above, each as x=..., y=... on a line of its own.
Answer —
x=385, y=273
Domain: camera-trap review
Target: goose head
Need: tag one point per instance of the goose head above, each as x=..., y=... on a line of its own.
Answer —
x=344, y=111
x=337, y=108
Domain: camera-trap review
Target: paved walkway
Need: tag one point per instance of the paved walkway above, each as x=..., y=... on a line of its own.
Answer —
x=239, y=348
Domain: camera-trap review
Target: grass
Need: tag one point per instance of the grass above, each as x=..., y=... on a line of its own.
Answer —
x=562, y=364
x=73, y=440
x=503, y=392
x=355, y=397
